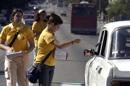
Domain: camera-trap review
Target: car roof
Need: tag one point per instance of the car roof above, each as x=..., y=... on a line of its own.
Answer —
x=113, y=25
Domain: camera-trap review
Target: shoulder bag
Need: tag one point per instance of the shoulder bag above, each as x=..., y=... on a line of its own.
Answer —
x=13, y=40
x=33, y=72
x=12, y=54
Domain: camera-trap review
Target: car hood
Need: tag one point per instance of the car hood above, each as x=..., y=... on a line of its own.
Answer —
x=121, y=68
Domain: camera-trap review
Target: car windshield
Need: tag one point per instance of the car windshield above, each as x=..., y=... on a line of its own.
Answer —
x=121, y=43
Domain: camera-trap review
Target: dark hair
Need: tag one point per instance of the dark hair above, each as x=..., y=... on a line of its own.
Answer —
x=14, y=12
x=47, y=18
x=53, y=18
x=37, y=17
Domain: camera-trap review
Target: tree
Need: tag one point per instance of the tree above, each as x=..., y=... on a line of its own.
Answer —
x=119, y=8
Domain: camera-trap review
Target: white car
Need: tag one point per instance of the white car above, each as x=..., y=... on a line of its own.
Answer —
x=28, y=18
x=110, y=63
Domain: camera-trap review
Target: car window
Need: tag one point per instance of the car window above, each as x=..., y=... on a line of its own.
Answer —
x=101, y=47
x=121, y=43
x=103, y=44
x=98, y=45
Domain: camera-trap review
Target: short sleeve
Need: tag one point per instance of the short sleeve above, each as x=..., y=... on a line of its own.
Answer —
x=49, y=38
x=4, y=32
x=34, y=26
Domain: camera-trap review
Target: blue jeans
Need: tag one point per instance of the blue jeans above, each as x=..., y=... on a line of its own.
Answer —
x=46, y=75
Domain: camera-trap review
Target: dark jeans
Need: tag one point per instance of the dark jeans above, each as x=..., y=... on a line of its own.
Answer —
x=46, y=75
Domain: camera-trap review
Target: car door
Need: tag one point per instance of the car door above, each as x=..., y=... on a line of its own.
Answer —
x=103, y=73
x=101, y=60
x=94, y=67
x=88, y=71
x=92, y=72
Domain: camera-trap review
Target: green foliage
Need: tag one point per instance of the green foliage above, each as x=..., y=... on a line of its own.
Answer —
x=119, y=7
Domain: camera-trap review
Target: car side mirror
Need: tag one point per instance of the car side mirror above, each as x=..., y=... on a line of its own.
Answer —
x=89, y=52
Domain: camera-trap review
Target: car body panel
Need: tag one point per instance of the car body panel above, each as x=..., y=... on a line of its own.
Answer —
x=105, y=67
x=123, y=69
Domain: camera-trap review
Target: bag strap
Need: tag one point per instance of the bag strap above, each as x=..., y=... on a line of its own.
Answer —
x=47, y=56
x=13, y=40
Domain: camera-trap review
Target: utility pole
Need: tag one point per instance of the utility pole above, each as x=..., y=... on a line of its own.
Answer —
x=99, y=6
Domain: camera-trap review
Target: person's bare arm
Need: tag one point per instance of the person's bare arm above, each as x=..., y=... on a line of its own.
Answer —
x=66, y=44
x=3, y=46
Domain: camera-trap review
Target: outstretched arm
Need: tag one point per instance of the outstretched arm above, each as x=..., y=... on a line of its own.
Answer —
x=66, y=44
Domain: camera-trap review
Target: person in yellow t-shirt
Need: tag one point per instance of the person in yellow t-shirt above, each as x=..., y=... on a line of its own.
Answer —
x=46, y=43
x=38, y=25
x=15, y=67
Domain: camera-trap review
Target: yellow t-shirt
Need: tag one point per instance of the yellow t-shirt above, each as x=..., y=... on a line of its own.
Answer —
x=38, y=27
x=45, y=45
x=21, y=42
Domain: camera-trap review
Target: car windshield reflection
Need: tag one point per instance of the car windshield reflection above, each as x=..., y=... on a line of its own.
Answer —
x=121, y=43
